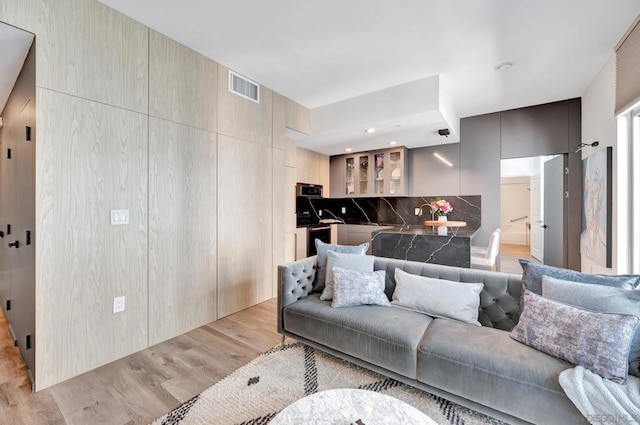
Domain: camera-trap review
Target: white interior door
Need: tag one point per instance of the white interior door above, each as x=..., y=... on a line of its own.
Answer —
x=537, y=233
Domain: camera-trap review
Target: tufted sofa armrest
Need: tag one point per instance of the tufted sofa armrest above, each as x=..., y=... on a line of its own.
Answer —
x=295, y=281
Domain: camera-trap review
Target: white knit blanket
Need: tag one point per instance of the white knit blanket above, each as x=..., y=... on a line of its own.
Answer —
x=600, y=400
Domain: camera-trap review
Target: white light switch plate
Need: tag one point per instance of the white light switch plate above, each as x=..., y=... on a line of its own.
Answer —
x=119, y=217
x=118, y=304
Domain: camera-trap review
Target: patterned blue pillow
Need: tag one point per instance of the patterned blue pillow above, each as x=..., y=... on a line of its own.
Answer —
x=322, y=249
x=600, y=342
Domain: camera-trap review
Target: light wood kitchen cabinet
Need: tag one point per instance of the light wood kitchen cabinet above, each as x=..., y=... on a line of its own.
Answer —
x=370, y=174
x=296, y=117
x=301, y=243
x=312, y=168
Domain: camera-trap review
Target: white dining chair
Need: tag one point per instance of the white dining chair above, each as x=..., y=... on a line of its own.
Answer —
x=485, y=258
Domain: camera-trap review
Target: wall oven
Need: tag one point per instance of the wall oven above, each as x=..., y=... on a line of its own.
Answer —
x=322, y=232
x=309, y=190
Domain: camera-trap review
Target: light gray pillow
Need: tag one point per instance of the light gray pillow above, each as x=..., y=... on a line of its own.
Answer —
x=357, y=288
x=438, y=297
x=597, y=341
x=322, y=249
x=601, y=299
x=357, y=262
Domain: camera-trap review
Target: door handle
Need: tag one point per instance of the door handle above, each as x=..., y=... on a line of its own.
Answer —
x=16, y=244
x=544, y=226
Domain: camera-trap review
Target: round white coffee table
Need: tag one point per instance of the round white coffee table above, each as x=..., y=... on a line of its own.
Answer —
x=350, y=406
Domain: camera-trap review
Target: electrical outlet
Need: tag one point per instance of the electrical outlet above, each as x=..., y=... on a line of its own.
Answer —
x=118, y=304
x=343, y=210
x=416, y=211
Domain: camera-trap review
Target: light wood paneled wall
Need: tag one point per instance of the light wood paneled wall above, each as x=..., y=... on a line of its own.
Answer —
x=182, y=229
x=279, y=121
x=297, y=117
x=100, y=75
x=183, y=84
x=91, y=158
x=245, y=224
x=241, y=118
x=86, y=49
x=279, y=214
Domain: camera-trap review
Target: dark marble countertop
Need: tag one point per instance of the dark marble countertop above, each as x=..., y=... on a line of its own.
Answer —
x=457, y=232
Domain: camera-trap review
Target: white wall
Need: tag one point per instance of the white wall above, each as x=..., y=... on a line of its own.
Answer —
x=514, y=203
x=599, y=123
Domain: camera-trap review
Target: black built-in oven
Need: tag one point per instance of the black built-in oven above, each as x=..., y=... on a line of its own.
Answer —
x=309, y=190
x=322, y=232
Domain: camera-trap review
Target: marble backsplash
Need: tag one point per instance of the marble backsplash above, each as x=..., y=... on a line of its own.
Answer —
x=400, y=211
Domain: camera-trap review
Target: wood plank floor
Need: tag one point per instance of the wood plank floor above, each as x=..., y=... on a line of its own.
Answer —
x=509, y=254
x=143, y=386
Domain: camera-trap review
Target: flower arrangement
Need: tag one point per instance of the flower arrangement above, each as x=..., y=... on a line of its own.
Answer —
x=440, y=207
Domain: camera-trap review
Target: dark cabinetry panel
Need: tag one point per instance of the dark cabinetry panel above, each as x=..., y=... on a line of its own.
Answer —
x=480, y=168
x=536, y=130
x=429, y=176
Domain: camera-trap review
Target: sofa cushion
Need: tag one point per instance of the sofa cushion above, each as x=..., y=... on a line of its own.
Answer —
x=438, y=297
x=486, y=366
x=322, y=249
x=383, y=336
x=598, y=341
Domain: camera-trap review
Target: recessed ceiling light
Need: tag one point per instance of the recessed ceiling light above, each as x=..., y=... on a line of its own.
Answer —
x=348, y=150
x=504, y=66
x=393, y=143
x=370, y=130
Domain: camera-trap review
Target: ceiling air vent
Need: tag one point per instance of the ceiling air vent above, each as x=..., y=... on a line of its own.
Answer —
x=244, y=87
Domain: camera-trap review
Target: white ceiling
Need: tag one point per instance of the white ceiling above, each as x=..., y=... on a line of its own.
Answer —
x=318, y=52
x=14, y=45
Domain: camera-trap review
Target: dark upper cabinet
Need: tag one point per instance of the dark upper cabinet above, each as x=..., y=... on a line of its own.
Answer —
x=534, y=131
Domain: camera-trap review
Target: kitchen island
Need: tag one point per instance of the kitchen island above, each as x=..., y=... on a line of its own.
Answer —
x=425, y=244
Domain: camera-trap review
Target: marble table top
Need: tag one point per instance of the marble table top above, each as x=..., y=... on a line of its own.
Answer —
x=460, y=232
x=350, y=406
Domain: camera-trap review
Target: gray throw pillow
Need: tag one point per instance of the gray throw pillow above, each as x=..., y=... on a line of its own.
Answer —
x=358, y=288
x=602, y=299
x=532, y=277
x=600, y=342
x=438, y=297
x=357, y=262
x=322, y=249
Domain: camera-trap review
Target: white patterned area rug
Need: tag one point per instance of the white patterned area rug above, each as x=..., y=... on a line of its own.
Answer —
x=256, y=392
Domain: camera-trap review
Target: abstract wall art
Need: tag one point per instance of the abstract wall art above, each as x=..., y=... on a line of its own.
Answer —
x=596, y=237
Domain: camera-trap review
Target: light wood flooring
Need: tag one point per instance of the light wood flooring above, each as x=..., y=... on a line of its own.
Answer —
x=143, y=386
x=509, y=254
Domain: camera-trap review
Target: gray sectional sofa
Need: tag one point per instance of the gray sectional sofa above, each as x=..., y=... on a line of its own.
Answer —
x=478, y=367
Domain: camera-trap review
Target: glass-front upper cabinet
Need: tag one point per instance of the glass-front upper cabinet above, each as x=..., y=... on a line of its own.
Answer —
x=395, y=172
x=363, y=175
x=370, y=174
x=379, y=173
x=351, y=179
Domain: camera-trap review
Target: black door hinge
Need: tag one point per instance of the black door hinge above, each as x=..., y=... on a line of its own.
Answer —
x=8, y=305
x=28, y=134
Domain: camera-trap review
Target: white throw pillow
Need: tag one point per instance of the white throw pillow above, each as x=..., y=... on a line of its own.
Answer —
x=357, y=262
x=438, y=297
